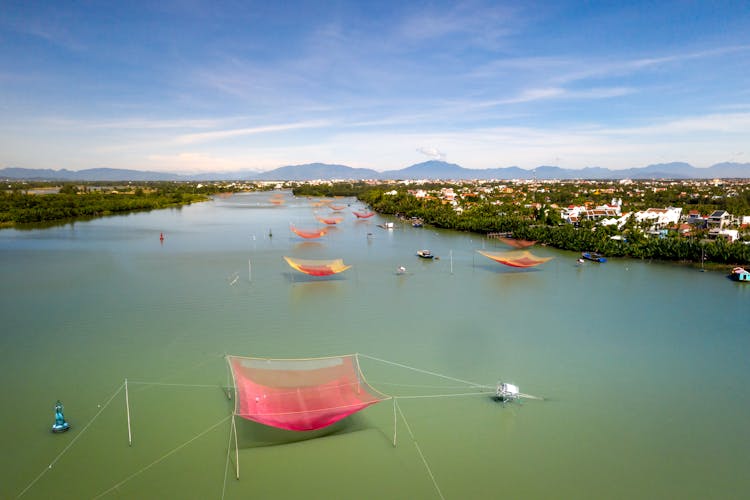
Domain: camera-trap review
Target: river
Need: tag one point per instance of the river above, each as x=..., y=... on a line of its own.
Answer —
x=643, y=366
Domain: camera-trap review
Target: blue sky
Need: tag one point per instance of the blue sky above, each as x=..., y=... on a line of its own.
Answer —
x=197, y=86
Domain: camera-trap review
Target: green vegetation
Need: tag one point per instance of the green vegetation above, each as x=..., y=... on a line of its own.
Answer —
x=18, y=204
x=541, y=223
x=330, y=189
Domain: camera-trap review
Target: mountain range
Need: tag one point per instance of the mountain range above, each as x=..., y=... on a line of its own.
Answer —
x=427, y=170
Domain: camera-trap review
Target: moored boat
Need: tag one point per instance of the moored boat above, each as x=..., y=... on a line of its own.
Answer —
x=425, y=254
x=593, y=256
x=740, y=274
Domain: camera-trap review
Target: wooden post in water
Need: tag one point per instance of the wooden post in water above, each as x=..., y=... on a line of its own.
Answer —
x=236, y=449
x=249, y=271
x=395, y=422
x=127, y=409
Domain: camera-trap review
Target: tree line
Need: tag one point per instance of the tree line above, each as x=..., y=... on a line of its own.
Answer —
x=544, y=226
x=18, y=206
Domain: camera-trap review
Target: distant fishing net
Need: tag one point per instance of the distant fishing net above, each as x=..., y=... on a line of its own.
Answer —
x=519, y=258
x=511, y=242
x=308, y=234
x=317, y=267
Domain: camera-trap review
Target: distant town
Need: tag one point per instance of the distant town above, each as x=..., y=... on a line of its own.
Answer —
x=696, y=220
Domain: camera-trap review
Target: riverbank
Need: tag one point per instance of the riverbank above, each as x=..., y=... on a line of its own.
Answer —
x=633, y=242
x=20, y=208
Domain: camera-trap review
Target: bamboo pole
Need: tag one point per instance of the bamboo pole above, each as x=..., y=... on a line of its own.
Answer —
x=127, y=409
x=236, y=449
x=395, y=422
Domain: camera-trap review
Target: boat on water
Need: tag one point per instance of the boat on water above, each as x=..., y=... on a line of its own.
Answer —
x=425, y=254
x=740, y=274
x=417, y=222
x=507, y=392
x=594, y=257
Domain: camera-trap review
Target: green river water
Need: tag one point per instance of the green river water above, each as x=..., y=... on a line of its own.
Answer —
x=644, y=366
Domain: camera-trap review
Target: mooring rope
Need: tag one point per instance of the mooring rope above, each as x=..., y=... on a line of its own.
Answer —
x=32, y=483
x=421, y=455
x=473, y=384
x=163, y=457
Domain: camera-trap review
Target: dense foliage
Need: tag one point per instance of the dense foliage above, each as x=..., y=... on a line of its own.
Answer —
x=330, y=190
x=18, y=206
x=541, y=226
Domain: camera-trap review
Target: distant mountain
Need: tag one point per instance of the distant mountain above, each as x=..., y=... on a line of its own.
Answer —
x=312, y=171
x=432, y=169
x=426, y=170
x=91, y=174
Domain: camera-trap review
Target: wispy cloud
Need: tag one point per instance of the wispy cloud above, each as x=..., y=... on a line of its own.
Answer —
x=138, y=123
x=230, y=133
x=600, y=69
x=542, y=94
x=726, y=123
x=475, y=23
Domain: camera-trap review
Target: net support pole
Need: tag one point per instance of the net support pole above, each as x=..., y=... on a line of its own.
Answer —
x=236, y=449
x=395, y=422
x=127, y=410
x=249, y=271
x=229, y=381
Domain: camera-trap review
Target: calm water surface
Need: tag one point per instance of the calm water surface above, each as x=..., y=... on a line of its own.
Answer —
x=644, y=365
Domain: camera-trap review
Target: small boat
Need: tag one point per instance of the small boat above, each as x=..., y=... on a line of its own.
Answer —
x=425, y=254
x=401, y=270
x=740, y=274
x=417, y=223
x=387, y=225
x=593, y=256
x=507, y=392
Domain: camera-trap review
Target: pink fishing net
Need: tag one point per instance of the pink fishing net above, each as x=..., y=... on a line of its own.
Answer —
x=300, y=394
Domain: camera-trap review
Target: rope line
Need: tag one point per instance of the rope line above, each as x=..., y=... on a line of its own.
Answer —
x=212, y=386
x=32, y=483
x=186, y=369
x=421, y=455
x=473, y=384
x=162, y=457
x=529, y=396
x=421, y=386
x=445, y=395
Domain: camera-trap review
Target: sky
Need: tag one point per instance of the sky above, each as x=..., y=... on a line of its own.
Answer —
x=189, y=86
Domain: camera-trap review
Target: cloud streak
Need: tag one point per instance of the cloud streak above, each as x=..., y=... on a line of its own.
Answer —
x=216, y=135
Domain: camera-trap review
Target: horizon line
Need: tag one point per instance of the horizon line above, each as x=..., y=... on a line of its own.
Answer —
x=530, y=170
